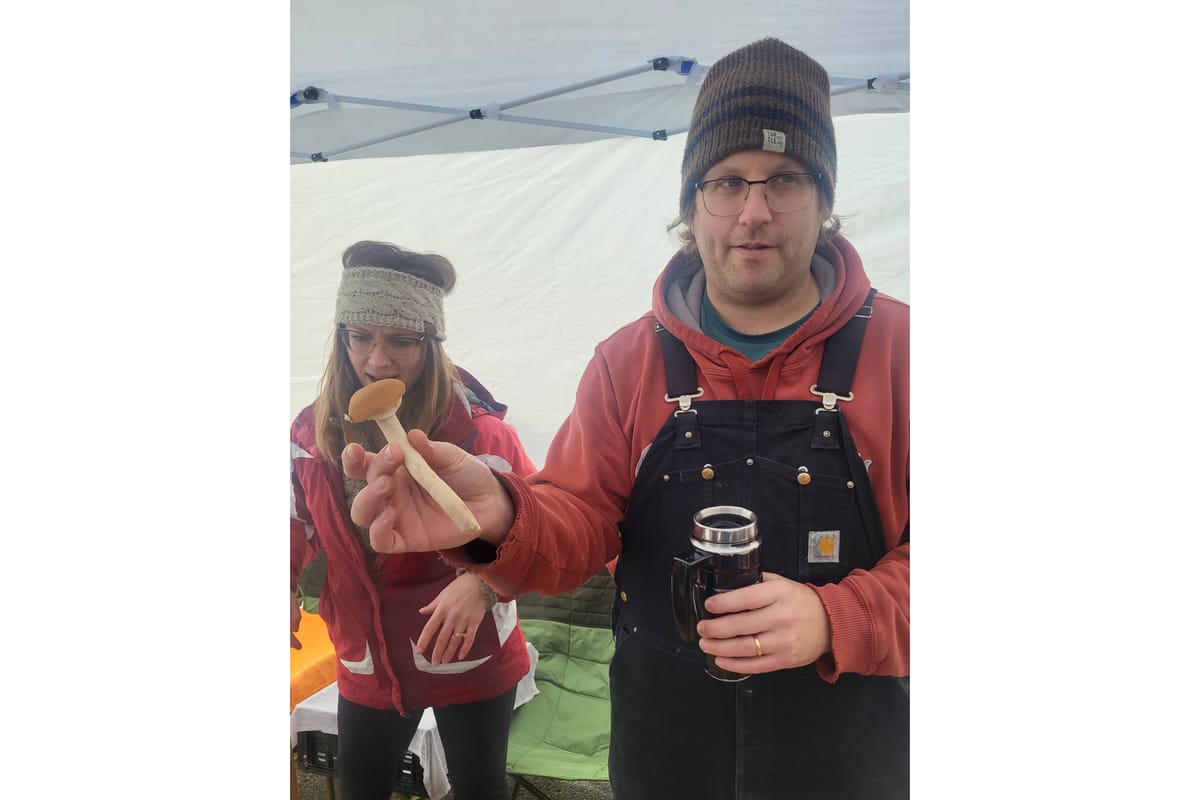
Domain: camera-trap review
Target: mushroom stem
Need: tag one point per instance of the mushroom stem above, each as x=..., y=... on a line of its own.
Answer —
x=423, y=474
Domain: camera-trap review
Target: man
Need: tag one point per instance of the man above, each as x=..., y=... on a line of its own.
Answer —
x=769, y=376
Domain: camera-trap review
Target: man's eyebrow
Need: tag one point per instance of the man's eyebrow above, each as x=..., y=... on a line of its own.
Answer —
x=776, y=168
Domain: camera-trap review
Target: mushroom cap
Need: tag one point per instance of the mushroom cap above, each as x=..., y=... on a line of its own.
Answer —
x=376, y=400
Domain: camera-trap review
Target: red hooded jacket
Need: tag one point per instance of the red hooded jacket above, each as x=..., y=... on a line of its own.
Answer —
x=370, y=602
x=567, y=514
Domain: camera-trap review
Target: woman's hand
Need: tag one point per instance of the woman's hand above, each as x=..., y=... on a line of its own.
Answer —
x=295, y=621
x=787, y=618
x=403, y=518
x=454, y=617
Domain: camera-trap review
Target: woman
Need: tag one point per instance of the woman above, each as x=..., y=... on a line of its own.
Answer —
x=409, y=631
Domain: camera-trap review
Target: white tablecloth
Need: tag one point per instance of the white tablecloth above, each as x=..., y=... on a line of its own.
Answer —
x=319, y=713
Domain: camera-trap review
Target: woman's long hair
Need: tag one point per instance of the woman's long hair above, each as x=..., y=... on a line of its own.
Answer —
x=427, y=404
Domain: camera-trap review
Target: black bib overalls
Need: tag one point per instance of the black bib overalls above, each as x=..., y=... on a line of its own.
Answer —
x=785, y=735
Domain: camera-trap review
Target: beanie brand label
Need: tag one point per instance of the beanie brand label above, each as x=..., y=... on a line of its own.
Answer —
x=774, y=141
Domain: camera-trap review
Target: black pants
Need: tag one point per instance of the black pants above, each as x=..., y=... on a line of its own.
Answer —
x=372, y=743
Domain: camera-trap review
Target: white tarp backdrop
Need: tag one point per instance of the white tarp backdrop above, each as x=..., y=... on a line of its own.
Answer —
x=556, y=245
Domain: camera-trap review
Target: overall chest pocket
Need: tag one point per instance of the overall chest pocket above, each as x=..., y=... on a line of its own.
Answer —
x=686, y=491
x=823, y=536
x=808, y=519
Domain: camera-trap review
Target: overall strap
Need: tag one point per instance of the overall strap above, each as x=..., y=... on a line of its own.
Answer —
x=678, y=363
x=681, y=388
x=833, y=383
x=841, y=356
x=837, y=365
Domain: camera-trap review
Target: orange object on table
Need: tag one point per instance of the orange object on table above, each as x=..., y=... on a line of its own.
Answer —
x=313, y=666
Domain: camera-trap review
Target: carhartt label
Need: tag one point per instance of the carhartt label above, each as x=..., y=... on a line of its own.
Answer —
x=774, y=141
x=824, y=546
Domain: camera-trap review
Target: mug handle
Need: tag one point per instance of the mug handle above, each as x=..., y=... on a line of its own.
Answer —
x=686, y=594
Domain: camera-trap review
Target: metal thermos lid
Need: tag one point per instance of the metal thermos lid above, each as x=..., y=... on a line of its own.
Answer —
x=725, y=525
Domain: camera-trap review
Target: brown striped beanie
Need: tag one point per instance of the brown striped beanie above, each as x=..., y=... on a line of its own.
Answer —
x=765, y=96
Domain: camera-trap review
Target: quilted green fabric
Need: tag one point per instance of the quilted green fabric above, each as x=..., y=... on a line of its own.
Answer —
x=562, y=732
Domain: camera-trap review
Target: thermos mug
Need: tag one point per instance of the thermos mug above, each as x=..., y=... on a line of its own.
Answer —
x=724, y=557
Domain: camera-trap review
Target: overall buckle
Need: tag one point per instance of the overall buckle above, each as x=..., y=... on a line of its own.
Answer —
x=829, y=399
x=685, y=401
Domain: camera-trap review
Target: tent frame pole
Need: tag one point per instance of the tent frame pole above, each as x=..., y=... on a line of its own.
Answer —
x=314, y=95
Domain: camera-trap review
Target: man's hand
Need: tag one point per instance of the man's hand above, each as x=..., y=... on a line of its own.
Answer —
x=787, y=618
x=403, y=518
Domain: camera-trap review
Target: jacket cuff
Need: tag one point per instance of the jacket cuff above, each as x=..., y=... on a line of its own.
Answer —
x=851, y=636
x=502, y=565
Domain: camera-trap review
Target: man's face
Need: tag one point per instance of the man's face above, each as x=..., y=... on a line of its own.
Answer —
x=758, y=257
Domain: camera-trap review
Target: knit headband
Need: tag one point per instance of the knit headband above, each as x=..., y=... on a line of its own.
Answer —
x=765, y=96
x=388, y=297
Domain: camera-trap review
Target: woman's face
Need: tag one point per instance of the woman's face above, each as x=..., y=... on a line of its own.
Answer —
x=377, y=352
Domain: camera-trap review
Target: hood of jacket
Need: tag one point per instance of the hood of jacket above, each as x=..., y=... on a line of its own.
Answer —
x=676, y=305
x=839, y=271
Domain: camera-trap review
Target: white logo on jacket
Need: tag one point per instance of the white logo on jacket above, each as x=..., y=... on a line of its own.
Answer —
x=495, y=462
x=504, y=615
x=453, y=668
x=364, y=666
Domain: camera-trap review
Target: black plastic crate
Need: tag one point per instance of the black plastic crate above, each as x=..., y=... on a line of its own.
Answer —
x=317, y=753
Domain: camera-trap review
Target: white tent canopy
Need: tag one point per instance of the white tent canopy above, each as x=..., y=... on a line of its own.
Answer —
x=557, y=234
x=401, y=79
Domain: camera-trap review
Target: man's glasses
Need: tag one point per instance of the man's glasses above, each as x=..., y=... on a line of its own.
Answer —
x=394, y=347
x=786, y=192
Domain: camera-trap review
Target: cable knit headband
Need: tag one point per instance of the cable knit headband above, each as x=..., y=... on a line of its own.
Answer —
x=388, y=297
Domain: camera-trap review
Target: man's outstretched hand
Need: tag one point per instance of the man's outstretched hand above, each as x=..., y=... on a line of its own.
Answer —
x=403, y=518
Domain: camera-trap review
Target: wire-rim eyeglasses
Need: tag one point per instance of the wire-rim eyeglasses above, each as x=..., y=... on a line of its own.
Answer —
x=785, y=193
x=396, y=347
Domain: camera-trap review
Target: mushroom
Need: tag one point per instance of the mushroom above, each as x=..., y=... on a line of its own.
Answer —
x=379, y=401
